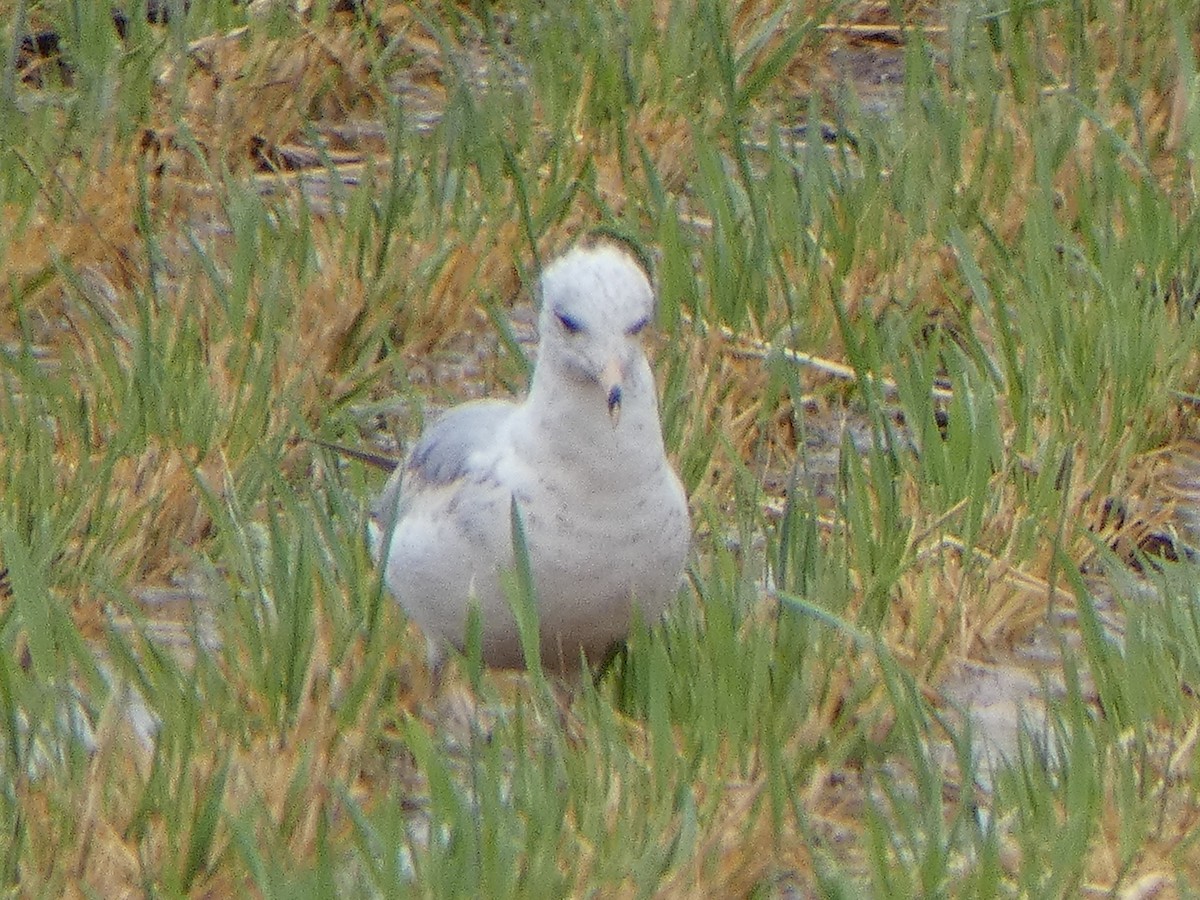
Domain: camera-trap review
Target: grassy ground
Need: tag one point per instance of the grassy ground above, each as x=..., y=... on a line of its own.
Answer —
x=928, y=364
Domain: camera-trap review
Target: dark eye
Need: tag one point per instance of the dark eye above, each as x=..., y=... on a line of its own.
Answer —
x=570, y=326
x=636, y=327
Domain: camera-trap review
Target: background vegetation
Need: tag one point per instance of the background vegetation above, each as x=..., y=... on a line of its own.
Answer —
x=928, y=363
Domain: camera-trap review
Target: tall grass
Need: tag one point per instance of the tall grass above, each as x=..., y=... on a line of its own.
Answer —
x=924, y=345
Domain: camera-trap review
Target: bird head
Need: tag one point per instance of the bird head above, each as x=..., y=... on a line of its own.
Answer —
x=596, y=303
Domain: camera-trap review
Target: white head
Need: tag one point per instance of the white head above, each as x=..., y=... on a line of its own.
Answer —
x=596, y=301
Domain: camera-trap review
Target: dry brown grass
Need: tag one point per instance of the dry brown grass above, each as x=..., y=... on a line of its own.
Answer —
x=246, y=103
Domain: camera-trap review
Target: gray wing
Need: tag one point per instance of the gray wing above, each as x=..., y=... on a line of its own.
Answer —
x=442, y=455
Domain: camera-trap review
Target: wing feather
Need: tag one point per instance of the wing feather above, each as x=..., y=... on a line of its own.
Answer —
x=442, y=456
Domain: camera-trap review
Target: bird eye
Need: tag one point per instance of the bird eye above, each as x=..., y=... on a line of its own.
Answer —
x=636, y=328
x=570, y=326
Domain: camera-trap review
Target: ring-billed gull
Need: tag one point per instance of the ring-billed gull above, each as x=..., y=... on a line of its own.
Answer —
x=604, y=515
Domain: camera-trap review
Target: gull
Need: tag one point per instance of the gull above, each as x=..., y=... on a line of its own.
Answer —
x=580, y=459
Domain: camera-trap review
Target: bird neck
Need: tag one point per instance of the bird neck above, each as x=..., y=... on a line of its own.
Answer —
x=566, y=413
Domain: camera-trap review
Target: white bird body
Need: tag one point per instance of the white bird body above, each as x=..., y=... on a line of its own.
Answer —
x=605, y=516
